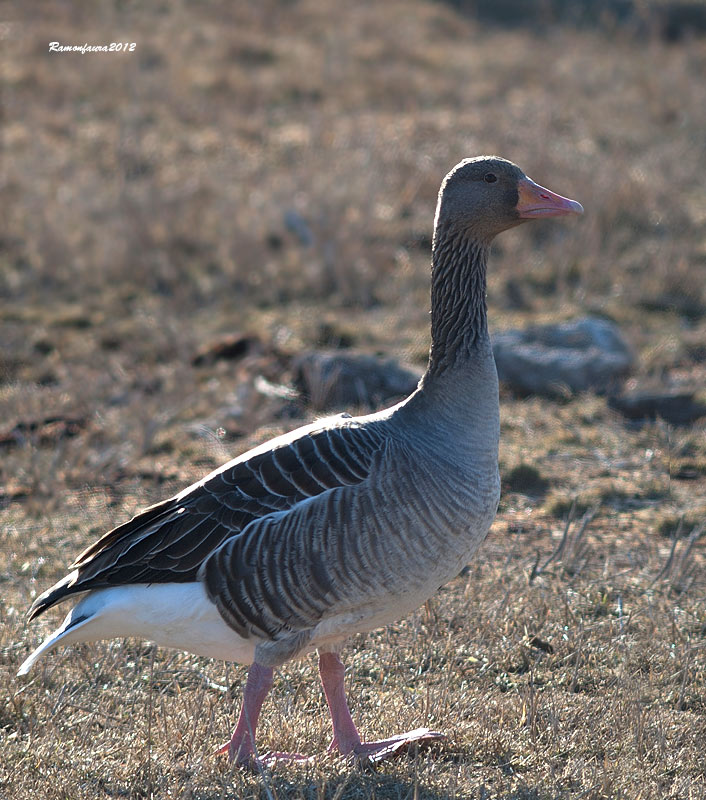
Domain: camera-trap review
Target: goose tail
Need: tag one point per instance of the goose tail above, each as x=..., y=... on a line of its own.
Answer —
x=64, y=634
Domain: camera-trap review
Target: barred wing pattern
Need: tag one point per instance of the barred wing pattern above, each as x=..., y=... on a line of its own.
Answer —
x=170, y=541
x=351, y=558
x=285, y=572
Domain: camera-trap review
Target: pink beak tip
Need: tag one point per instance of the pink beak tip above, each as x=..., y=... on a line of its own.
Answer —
x=536, y=201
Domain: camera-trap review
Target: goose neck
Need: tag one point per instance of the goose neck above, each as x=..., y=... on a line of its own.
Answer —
x=459, y=317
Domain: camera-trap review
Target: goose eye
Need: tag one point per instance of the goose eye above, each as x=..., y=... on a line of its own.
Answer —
x=489, y=177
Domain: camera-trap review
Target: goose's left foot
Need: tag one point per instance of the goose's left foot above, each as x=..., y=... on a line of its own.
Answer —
x=395, y=745
x=346, y=738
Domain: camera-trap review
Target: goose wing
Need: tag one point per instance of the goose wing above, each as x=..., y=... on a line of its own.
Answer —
x=169, y=541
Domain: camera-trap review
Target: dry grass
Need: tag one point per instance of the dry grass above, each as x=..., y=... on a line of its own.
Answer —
x=273, y=167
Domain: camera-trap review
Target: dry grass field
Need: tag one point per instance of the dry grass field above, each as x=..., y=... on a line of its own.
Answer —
x=271, y=168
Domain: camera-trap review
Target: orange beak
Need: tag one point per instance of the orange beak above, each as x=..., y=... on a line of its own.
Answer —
x=536, y=201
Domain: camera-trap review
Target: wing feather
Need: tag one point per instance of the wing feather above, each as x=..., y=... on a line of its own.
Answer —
x=170, y=541
x=296, y=568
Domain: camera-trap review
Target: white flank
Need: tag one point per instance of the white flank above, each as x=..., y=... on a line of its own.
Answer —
x=177, y=615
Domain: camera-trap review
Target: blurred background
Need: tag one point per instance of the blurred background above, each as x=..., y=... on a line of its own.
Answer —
x=255, y=183
x=262, y=177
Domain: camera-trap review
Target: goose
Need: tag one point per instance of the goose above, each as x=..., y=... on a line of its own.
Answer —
x=339, y=527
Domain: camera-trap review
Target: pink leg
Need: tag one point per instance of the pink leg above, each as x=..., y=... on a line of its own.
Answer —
x=345, y=735
x=241, y=747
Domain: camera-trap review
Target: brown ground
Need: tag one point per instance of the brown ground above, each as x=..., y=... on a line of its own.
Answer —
x=144, y=198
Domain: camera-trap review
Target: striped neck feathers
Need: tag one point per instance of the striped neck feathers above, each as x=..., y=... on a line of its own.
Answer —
x=459, y=317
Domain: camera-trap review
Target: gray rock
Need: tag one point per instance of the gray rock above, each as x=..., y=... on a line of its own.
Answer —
x=588, y=354
x=677, y=406
x=333, y=380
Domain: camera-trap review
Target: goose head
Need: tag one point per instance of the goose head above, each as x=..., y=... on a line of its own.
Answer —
x=483, y=196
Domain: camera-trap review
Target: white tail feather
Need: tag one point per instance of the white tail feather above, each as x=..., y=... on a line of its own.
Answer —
x=61, y=635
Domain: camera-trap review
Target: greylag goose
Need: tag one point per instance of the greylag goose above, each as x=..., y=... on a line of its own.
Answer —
x=339, y=527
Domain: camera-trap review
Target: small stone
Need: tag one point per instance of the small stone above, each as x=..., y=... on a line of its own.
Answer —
x=331, y=380
x=588, y=354
x=676, y=406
